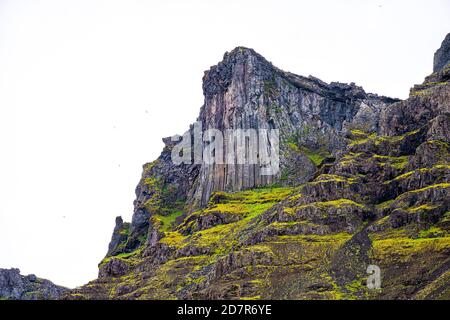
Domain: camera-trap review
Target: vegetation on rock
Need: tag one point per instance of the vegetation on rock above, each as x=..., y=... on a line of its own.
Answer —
x=364, y=180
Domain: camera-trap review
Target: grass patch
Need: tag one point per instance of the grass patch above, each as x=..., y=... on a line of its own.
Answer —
x=404, y=249
x=432, y=232
x=167, y=221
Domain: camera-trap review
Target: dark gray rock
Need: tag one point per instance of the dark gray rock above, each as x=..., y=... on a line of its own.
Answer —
x=245, y=91
x=119, y=237
x=113, y=268
x=388, y=180
x=442, y=55
x=14, y=286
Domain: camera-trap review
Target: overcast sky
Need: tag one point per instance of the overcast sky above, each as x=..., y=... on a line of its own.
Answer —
x=89, y=88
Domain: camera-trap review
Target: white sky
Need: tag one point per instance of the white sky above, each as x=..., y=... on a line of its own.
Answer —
x=89, y=88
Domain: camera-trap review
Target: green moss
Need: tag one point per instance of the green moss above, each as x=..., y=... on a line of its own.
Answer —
x=326, y=178
x=346, y=163
x=251, y=298
x=334, y=238
x=167, y=221
x=282, y=225
x=439, y=143
x=396, y=162
x=421, y=171
x=359, y=133
x=381, y=221
x=436, y=285
x=126, y=230
x=402, y=176
x=317, y=156
x=355, y=286
x=432, y=232
x=446, y=217
x=394, y=139
x=362, y=139
x=424, y=207
x=391, y=233
x=229, y=207
x=351, y=156
x=191, y=280
x=129, y=257
x=174, y=239
x=404, y=249
x=339, y=203
x=249, y=203
x=149, y=166
x=142, y=238
x=152, y=182
x=335, y=177
x=219, y=238
x=426, y=88
x=384, y=205
x=434, y=186
x=265, y=194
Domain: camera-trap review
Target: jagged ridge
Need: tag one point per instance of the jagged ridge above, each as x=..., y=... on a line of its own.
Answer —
x=365, y=180
x=245, y=91
x=377, y=194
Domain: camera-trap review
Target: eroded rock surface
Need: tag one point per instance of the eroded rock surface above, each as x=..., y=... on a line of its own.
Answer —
x=364, y=181
x=442, y=55
x=245, y=91
x=14, y=286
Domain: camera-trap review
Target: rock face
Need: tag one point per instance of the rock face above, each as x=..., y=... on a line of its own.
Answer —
x=120, y=235
x=442, y=55
x=245, y=91
x=14, y=286
x=364, y=189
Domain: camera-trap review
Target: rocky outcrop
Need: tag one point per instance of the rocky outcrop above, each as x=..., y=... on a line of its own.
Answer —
x=245, y=91
x=14, y=286
x=119, y=237
x=163, y=190
x=364, y=185
x=442, y=55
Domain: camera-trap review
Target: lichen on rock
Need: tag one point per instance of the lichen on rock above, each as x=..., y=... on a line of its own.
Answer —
x=364, y=180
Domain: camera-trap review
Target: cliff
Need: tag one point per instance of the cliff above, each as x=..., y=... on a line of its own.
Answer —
x=359, y=208
x=245, y=91
x=363, y=187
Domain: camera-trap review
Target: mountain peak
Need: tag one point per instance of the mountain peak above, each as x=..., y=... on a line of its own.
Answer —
x=217, y=79
x=244, y=52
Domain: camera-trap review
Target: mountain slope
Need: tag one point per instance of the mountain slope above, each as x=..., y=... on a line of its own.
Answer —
x=364, y=182
x=245, y=91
